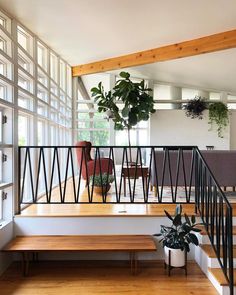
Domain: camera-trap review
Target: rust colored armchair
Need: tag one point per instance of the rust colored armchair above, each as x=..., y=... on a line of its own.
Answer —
x=84, y=159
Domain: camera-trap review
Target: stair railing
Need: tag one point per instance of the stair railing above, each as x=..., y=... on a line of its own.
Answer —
x=216, y=214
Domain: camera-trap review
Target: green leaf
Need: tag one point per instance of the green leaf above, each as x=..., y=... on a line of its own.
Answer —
x=177, y=220
x=125, y=112
x=157, y=235
x=193, y=219
x=132, y=119
x=187, y=219
x=194, y=239
x=168, y=215
x=124, y=75
x=95, y=89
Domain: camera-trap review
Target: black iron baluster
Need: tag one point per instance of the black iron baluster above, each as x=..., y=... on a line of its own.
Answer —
x=73, y=173
x=80, y=173
x=19, y=181
x=114, y=169
x=177, y=175
x=121, y=173
x=193, y=161
x=156, y=175
x=149, y=175
x=170, y=176
x=94, y=173
x=52, y=174
x=184, y=175
x=163, y=173
x=45, y=175
x=100, y=170
x=31, y=176
x=128, y=173
x=23, y=180
x=141, y=166
x=108, y=174
x=66, y=175
x=87, y=175
x=59, y=175
x=135, y=174
x=38, y=173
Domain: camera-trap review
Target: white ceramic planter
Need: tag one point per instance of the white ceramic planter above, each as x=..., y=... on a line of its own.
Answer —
x=177, y=257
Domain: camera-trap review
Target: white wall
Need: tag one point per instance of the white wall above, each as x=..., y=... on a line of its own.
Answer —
x=172, y=127
x=6, y=234
x=233, y=130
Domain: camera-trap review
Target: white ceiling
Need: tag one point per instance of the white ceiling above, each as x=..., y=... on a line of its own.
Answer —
x=212, y=71
x=82, y=31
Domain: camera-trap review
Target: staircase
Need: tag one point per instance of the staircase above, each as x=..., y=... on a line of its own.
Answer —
x=207, y=260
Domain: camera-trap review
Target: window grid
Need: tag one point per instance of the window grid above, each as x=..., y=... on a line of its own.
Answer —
x=25, y=91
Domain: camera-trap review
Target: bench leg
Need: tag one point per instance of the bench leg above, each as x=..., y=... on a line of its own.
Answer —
x=35, y=256
x=133, y=263
x=25, y=264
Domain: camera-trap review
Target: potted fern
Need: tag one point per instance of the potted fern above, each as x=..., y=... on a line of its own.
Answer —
x=177, y=237
x=101, y=182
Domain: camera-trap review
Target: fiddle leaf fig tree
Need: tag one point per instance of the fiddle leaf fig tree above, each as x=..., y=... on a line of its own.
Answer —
x=137, y=103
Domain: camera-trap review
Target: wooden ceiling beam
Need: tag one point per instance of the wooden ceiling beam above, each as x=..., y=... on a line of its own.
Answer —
x=193, y=47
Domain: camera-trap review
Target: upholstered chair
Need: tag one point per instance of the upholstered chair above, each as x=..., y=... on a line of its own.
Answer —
x=83, y=152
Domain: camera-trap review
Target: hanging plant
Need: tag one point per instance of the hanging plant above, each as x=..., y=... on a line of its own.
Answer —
x=219, y=114
x=195, y=107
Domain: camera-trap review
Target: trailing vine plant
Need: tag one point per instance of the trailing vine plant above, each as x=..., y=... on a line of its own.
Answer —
x=195, y=107
x=219, y=115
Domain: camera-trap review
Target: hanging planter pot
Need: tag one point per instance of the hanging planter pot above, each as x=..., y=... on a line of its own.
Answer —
x=195, y=107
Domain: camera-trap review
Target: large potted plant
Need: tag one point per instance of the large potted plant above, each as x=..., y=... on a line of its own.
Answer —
x=137, y=104
x=101, y=183
x=177, y=237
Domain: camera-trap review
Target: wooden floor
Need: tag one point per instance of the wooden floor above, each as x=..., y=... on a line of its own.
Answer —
x=219, y=276
x=91, y=278
x=102, y=210
x=211, y=253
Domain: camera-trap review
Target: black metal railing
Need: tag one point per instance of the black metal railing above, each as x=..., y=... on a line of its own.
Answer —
x=216, y=214
x=159, y=174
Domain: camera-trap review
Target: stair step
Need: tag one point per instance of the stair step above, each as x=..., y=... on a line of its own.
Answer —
x=219, y=276
x=204, y=233
x=208, y=249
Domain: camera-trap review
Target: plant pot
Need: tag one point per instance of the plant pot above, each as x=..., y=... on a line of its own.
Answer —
x=100, y=189
x=177, y=257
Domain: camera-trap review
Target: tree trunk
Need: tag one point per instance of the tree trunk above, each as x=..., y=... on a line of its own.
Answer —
x=130, y=154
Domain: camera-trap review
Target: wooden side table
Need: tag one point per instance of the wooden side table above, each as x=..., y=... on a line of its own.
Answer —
x=129, y=171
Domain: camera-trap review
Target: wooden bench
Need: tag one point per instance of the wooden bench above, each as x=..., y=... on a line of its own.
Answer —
x=82, y=243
